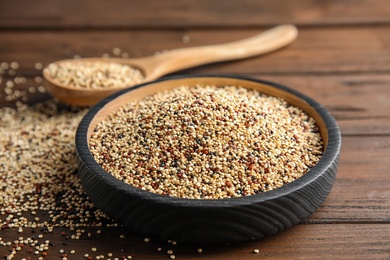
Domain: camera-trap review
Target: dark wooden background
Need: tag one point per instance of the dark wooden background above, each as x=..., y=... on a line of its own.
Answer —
x=341, y=58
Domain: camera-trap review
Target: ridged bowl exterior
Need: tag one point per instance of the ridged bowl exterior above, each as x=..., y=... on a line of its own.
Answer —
x=210, y=221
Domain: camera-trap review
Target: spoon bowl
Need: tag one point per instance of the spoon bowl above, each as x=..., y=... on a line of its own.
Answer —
x=155, y=66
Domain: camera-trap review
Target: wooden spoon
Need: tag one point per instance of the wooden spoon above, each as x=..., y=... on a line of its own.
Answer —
x=156, y=66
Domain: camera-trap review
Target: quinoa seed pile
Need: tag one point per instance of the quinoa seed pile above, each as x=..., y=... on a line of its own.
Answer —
x=207, y=142
x=94, y=75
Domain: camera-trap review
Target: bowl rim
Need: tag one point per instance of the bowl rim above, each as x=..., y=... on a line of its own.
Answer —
x=330, y=154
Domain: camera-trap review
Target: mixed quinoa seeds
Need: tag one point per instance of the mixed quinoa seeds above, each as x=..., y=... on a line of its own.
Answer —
x=43, y=208
x=40, y=190
x=94, y=75
x=44, y=211
x=207, y=142
x=39, y=167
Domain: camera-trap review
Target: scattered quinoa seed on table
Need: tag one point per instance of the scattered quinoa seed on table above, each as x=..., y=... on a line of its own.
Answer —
x=207, y=142
x=39, y=178
x=39, y=171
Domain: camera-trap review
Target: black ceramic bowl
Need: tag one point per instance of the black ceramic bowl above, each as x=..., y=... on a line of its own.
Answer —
x=209, y=221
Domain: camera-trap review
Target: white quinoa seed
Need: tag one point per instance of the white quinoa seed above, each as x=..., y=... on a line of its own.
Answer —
x=42, y=89
x=38, y=79
x=210, y=142
x=38, y=66
x=32, y=90
x=10, y=84
x=116, y=51
x=186, y=38
x=94, y=75
x=14, y=65
x=125, y=55
x=4, y=65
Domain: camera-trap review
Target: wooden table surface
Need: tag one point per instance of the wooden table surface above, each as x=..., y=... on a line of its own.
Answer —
x=341, y=58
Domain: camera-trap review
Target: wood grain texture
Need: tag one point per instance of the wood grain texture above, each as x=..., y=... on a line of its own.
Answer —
x=190, y=13
x=312, y=241
x=362, y=189
x=348, y=50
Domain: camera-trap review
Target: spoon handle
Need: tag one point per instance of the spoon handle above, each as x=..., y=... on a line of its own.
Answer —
x=179, y=59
